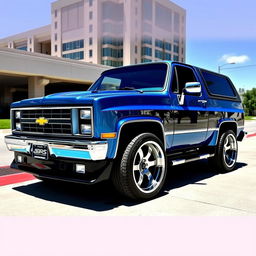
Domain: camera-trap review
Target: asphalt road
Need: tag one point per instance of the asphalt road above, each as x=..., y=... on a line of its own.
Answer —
x=191, y=190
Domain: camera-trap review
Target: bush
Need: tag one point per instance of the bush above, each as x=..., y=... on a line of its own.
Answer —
x=249, y=101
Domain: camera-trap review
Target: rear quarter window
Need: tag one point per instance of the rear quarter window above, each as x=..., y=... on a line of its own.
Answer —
x=218, y=85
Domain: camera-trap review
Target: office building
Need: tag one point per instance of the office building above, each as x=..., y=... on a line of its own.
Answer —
x=109, y=32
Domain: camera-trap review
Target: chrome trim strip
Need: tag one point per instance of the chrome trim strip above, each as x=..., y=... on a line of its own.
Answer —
x=183, y=161
x=96, y=150
x=190, y=131
x=138, y=121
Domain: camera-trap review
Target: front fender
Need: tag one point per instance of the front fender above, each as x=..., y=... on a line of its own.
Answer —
x=114, y=143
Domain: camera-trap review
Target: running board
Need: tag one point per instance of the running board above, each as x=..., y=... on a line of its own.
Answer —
x=183, y=161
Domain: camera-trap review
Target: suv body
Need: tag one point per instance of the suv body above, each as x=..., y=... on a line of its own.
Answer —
x=129, y=126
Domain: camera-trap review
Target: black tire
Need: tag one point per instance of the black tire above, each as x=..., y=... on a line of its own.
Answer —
x=225, y=159
x=140, y=171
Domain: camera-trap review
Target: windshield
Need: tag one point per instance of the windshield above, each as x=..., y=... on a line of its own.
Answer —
x=150, y=77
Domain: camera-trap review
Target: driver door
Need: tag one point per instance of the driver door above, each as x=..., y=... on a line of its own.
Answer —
x=190, y=117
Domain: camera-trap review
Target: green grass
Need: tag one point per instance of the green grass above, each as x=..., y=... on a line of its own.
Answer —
x=5, y=124
x=250, y=117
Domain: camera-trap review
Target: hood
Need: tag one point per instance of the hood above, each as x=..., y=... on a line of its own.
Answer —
x=105, y=100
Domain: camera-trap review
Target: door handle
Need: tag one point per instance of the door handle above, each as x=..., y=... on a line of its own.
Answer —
x=202, y=101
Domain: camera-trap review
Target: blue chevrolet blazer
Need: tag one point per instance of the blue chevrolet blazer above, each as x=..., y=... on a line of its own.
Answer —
x=130, y=126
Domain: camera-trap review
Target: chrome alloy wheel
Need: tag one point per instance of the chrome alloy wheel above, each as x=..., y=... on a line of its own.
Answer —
x=230, y=150
x=149, y=167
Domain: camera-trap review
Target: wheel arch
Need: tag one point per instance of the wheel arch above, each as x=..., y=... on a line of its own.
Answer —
x=137, y=126
x=227, y=125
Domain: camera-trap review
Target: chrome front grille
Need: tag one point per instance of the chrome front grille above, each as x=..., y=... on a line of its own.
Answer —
x=50, y=121
x=59, y=121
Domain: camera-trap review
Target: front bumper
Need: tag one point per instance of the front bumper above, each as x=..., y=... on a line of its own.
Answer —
x=68, y=149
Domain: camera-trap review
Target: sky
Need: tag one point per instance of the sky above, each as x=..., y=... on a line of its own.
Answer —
x=218, y=32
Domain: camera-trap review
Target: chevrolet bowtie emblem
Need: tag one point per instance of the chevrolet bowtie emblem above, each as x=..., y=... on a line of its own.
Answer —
x=42, y=121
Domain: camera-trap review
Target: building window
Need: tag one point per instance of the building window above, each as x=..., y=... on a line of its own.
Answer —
x=175, y=57
x=147, y=51
x=167, y=46
x=56, y=25
x=73, y=45
x=56, y=47
x=112, y=63
x=22, y=48
x=90, y=41
x=74, y=56
x=176, y=39
x=115, y=53
x=56, y=36
x=90, y=28
x=176, y=48
x=136, y=61
x=159, y=54
x=136, y=49
x=159, y=44
x=55, y=13
x=145, y=60
x=147, y=40
x=167, y=56
x=30, y=40
x=112, y=41
x=90, y=53
x=90, y=2
x=90, y=15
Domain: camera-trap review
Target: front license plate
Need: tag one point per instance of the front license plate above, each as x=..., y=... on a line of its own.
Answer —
x=40, y=151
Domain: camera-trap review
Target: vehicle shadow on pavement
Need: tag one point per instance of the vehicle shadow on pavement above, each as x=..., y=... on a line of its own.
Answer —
x=103, y=197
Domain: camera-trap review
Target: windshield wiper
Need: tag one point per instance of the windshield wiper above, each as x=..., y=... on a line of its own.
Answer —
x=131, y=89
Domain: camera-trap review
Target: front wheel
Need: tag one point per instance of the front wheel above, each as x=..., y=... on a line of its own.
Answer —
x=226, y=153
x=141, y=170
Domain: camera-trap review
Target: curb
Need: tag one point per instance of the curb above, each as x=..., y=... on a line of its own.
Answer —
x=251, y=135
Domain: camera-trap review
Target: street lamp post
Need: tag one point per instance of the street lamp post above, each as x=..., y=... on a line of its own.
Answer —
x=219, y=67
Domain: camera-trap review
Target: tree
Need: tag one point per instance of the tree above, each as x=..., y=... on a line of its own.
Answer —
x=249, y=100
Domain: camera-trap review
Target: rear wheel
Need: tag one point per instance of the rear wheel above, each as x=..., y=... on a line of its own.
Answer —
x=141, y=170
x=226, y=153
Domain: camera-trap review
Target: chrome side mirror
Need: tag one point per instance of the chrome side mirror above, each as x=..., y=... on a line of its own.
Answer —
x=191, y=88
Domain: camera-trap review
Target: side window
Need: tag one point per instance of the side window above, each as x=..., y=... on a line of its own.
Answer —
x=181, y=76
x=218, y=85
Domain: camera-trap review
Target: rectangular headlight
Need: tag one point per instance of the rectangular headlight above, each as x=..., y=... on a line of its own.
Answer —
x=86, y=129
x=17, y=114
x=85, y=114
x=18, y=127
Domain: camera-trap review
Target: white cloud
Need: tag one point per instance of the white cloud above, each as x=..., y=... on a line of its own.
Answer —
x=228, y=58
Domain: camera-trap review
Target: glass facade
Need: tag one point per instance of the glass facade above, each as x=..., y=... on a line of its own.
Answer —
x=74, y=55
x=73, y=45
